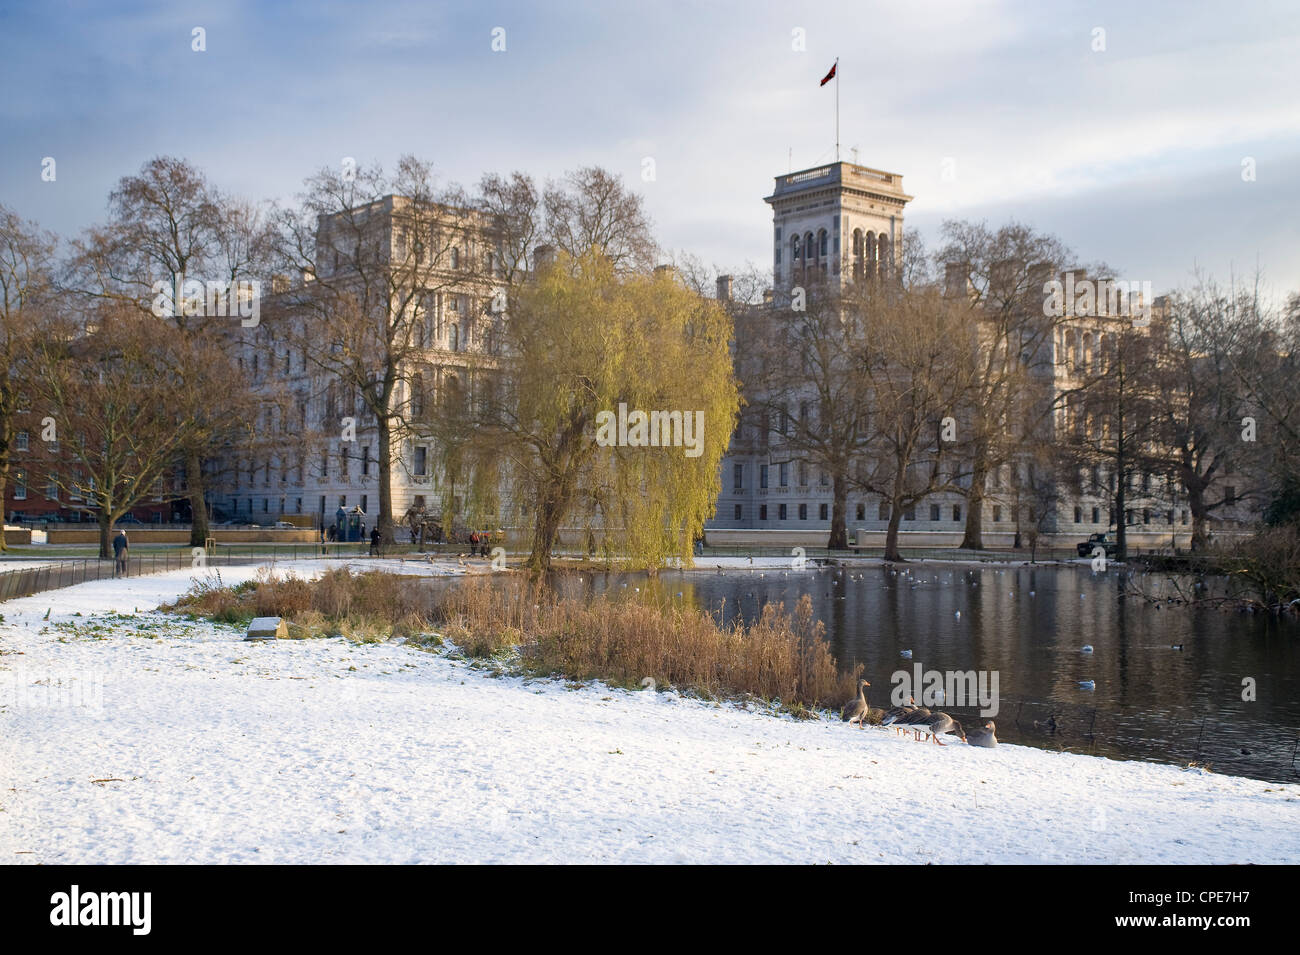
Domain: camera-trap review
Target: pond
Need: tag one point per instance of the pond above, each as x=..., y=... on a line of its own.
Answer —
x=1028, y=624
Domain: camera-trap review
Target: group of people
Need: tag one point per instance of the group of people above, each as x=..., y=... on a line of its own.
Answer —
x=478, y=543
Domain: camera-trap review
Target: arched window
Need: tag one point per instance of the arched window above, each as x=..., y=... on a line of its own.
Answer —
x=821, y=243
x=1086, y=360
x=795, y=247
x=453, y=337
x=886, y=261
x=810, y=250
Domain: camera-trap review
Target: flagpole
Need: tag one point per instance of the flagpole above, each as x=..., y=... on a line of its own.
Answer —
x=837, y=109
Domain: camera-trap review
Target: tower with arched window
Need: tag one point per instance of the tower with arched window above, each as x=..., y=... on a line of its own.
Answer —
x=836, y=223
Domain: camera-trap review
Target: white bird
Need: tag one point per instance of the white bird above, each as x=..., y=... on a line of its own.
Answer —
x=1087, y=685
x=905, y=654
x=1086, y=648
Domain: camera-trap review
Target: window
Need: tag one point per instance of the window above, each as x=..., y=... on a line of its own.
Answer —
x=803, y=512
x=1146, y=515
x=909, y=513
x=1230, y=495
x=365, y=460
x=738, y=476
x=363, y=503
x=882, y=514
x=1096, y=515
x=956, y=512
x=762, y=475
x=20, y=441
x=324, y=466
x=20, y=485
x=52, y=487
x=1078, y=515
x=934, y=512
x=455, y=258
x=784, y=472
x=298, y=506
x=780, y=512
x=862, y=511
x=823, y=512
x=997, y=513
x=762, y=512
x=421, y=467
x=738, y=512
x=803, y=474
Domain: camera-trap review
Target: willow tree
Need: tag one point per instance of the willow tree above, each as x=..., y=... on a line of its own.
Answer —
x=620, y=405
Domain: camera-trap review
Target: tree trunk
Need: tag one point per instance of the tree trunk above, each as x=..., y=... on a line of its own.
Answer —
x=198, y=506
x=384, y=517
x=973, y=538
x=839, y=514
x=1121, y=518
x=1196, y=503
x=551, y=509
x=105, y=532
x=4, y=546
x=891, y=536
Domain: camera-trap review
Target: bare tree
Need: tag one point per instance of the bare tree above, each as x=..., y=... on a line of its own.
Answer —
x=109, y=377
x=917, y=368
x=999, y=275
x=385, y=259
x=26, y=281
x=177, y=248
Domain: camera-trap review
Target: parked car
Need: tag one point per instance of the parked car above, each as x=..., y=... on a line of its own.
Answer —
x=1104, y=541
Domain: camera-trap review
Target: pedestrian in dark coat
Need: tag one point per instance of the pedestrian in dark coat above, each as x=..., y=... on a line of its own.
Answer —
x=119, y=552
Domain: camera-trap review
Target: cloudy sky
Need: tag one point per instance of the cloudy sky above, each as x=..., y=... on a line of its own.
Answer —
x=1133, y=154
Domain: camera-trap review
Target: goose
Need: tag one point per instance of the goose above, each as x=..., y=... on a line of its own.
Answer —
x=986, y=736
x=1048, y=725
x=914, y=719
x=895, y=714
x=937, y=725
x=857, y=711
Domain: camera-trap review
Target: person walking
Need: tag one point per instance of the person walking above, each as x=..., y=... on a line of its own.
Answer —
x=374, y=543
x=119, y=552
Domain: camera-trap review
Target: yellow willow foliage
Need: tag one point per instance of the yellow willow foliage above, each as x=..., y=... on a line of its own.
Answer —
x=587, y=340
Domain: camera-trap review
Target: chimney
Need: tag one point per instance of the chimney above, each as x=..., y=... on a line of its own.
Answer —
x=724, y=288
x=956, y=279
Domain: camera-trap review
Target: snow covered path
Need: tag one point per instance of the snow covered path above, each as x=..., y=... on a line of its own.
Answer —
x=208, y=749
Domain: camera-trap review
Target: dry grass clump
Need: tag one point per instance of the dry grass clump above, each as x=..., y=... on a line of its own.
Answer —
x=781, y=656
x=366, y=607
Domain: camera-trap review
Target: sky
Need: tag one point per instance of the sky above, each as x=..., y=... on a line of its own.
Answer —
x=1160, y=138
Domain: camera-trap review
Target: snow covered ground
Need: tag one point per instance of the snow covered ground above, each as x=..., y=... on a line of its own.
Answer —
x=132, y=737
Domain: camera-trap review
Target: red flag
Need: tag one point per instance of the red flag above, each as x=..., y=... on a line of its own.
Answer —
x=829, y=76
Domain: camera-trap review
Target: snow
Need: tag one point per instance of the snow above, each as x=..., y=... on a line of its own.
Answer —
x=152, y=739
